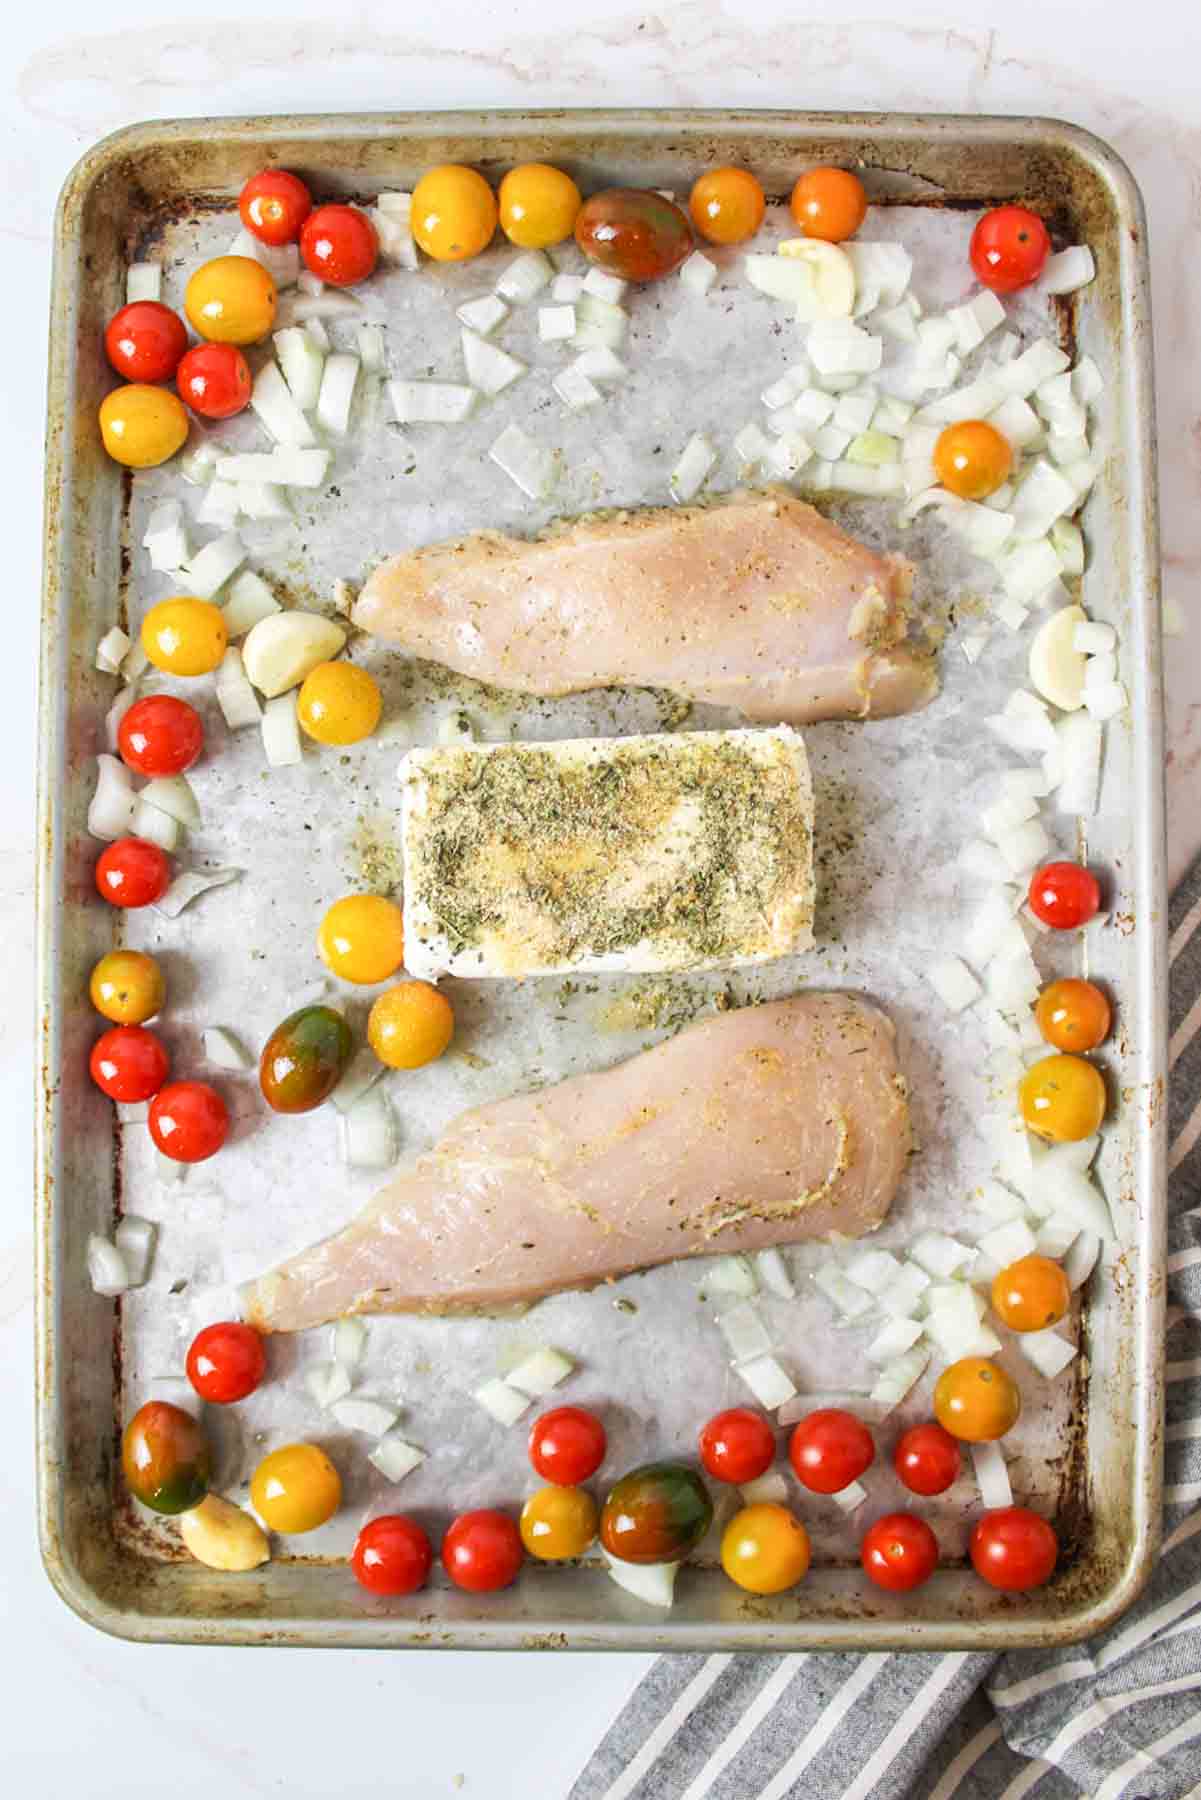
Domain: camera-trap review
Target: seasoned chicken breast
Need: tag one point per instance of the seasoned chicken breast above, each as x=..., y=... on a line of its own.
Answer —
x=761, y=1126
x=758, y=604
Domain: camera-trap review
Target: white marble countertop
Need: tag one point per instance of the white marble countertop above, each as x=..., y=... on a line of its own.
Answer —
x=91, y=1717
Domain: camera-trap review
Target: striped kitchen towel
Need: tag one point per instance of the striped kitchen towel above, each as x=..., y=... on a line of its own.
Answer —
x=1118, y=1718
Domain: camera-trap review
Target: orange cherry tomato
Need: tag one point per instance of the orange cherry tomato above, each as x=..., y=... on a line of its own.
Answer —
x=976, y=1401
x=765, y=1549
x=1063, y=1098
x=296, y=1489
x=141, y=426
x=727, y=205
x=410, y=1025
x=558, y=1523
x=1031, y=1294
x=538, y=205
x=972, y=459
x=829, y=204
x=231, y=300
x=1073, y=1014
x=454, y=213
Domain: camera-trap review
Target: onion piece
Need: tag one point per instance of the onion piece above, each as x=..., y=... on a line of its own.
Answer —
x=770, y=1383
x=361, y=1073
x=1058, y=1188
x=111, y=650
x=110, y=813
x=750, y=446
x=187, y=887
x=1079, y=757
x=897, y=1378
x=134, y=1238
x=483, y=315
x=1047, y=1351
x=282, y=261
x=837, y=347
x=172, y=794
x=249, y=600
x=349, y=1342
x=744, y=1332
x=281, y=733
x=697, y=274
x=788, y=456
x=556, y=323
x=262, y=500
x=306, y=309
x=165, y=537
x=166, y=1168
x=992, y=1474
x=1081, y=1259
x=272, y=401
x=852, y=1302
x=328, y=1382
x=975, y=401
x=774, y=1271
x=652, y=1583
x=692, y=470
x=899, y=322
x=599, y=325
x=154, y=826
x=223, y=1050
x=873, y=1270
x=600, y=364
x=998, y=1204
x=833, y=291
x=785, y=278
x=302, y=362
x=107, y=1270
x=533, y=469
x=1056, y=1236
x=1008, y=1243
x=394, y=1457
x=212, y=567
x=953, y=982
x=372, y=355
x=1100, y=670
x=730, y=1275
x=221, y=503
x=1041, y=362
x=904, y=1293
x=489, y=368
x=371, y=1417
x=143, y=281
x=894, y=1339
x=540, y=1372
x=135, y=663
x=525, y=276
x=605, y=286
x=287, y=465
x=371, y=1134
x=431, y=402
x=237, y=699
x=575, y=389
x=856, y=410
x=503, y=1402
x=1043, y=497
x=788, y=387
x=766, y=1490
x=1106, y=702
x=392, y=217
x=957, y=1331
x=1068, y=270
x=830, y=442
x=338, y=384
x=812, y=408
x=975, y=321
x=873, y=450
x=850, y=1498
x=939, y=1254
x=567, y=288
x=1024, y=846
x=882, y=274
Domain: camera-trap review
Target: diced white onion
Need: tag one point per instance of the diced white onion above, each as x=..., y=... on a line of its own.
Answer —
x=998, y=1204
x=940, y=1254
x=154, y=826
x=851, y=1301
x=882, y=273
x=1058, y=1188
x=281, y=733
x=566, y=288
x=249, y=599
x=897, y=1378
x=338, y=383
x=112, y=650
x=372, y=355
x=328, y=1382
x=1081, y=1259
x=143, y=281
x=1068, y=270
x=1067, y=447
x=873, y=449
x=288, y=465
x=838, y=347
x=788, y=387
x=1042, y=497
x=371, y=1417
x=904, y=1294
x=992, y=1474
x=237, y=699
x=1013, y=982
x=788, y=456
x=1041, y=362
x=899, y=322
x=301, y=361
x=1105, y=702
x=770, y=1383
x=349, y=1342
x=1008, y=1243
x=110, y=813
x=956, y=1329
x=525, y=276
x=953, y=982
x=850, y=1498
x=894, y=1339
x=1056, y=1237
x=1049, y=1353
x=394, y=1457
x=540, y=1372
x=1094, y=639
x=166, y=538
x=692, y=469
x=830, y=442
x=775, y=1275
x=273, y=402
x=1100, y=670
x=167, y=1169
x=282, y=261
x=652, y=1583
x=873, y=1270
x=107, y=1269
x=189, y=886
x=431, y=402
x=392, y=218
x=503, y=1402
x=223, y=1050
x=698, y=274
x=212, y=567
x=1023, y=846
x=782, y=278
x=489, y=368
x=600, y=364
x=599, y=325
x=173, y=794
x=1080, y=754
x=744, y=1332
x=134, y=1238
x=221, y=504
x=751, y=446
x=362, y=1072
x=812, y=408
x=525, y=462
x=556, y=323
x=855, y=411
x=1088, y=384
x=263, y=500
x=766, y=1490
x=576, y=389
x=982, y=861
x=370, y=1131
x=730, y=1275
x=934, y=339
x=975, y=401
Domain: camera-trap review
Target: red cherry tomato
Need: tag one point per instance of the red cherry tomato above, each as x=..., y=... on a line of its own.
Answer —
x=482, y=1551
x=132, y=872
x=214, y=380
x=392, y=1555
x=926, y=1459
x=1009, y=248
x=899, y=1552
x=274, y=205
x=567, y=1445
x=830, y=1449
x=129, y=1063
x=226, y=1362
x=1013, y=1549
x=160, y=735
x=339, y=244
x=1063, y=895
x=738, y=1445
x=145, y=341
x=189, y=1121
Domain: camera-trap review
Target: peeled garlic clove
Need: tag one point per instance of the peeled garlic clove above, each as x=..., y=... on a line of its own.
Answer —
x=281, y=650
x=833, y=274
x=1056, y=666
x=222, y=1536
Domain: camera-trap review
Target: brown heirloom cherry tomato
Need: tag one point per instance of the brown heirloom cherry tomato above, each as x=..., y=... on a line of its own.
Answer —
x=634, y=233
x=656, y=1514
x=165, y=1458
x=303, y=1059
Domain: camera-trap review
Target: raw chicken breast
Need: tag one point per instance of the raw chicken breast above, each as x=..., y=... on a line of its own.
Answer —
x=761, y=1126
x=757, y=603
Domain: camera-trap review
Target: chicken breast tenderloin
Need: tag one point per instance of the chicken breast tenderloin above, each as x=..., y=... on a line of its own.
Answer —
x=761, y=1126
x=757, y=603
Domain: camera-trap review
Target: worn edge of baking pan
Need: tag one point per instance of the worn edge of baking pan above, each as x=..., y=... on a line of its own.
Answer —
x=1149, y=1057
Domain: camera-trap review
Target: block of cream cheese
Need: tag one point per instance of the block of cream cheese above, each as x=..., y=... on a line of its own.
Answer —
x=623, y=855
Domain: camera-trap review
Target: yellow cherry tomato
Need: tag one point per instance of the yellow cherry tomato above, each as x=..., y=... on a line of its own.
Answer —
x=972, y=459
x=339, y=703
x=829, y=204
x=295, y=1489
x=558, y=1522
x=765, y=1549
x=142, y=426
x=1073, y=1014
x=127, y=986
x=1063, y=1098
x=975, y=1400
x=185, y=636
x=454, y=213
x=727, y=205
x=410, y=1025
x=1031, y=1294
x=538, y=205
x=361, y=938
x=231, y=300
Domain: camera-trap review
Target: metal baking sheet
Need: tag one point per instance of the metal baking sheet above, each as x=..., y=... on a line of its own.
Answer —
x=896, y=799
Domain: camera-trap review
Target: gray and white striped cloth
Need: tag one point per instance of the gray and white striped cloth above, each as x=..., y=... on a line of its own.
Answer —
x=1115, y=1719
